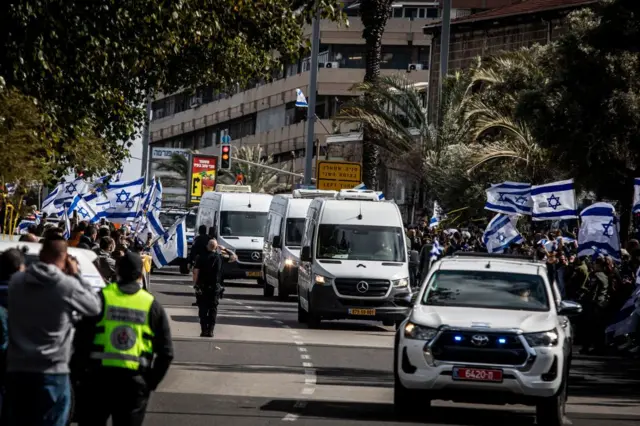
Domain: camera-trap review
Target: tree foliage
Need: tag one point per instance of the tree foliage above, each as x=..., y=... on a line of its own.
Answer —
x=588, y=114
x=90, y=65
x=259, y=178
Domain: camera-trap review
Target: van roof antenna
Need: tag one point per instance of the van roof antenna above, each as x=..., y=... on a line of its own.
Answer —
x=249, y=205
x=360, y=214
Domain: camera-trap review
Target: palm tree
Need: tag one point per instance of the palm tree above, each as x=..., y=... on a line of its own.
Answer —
x=259, y=178
x=374, y=15
x=178, y=164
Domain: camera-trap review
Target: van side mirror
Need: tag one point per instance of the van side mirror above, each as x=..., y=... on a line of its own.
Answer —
x=305, y=254
x=277, y=241
x=569, y=308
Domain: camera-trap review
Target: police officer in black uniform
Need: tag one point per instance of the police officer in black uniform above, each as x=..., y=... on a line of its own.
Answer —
x=207, y=279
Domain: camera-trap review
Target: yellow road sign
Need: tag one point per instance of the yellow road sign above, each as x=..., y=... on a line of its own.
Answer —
x=338, y=175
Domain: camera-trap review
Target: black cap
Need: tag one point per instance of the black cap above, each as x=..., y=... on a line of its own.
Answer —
x=130, y=267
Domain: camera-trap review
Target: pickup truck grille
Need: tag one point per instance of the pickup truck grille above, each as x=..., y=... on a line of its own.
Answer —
x=353, y=287
x=479, y=347
x=247, y=256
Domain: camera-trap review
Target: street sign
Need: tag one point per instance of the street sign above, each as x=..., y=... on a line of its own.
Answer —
x=203, y=176
x=225, y=139
x=336, y=175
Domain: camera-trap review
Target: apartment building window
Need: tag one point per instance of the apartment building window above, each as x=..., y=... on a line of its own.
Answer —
x=210, y=136
x=415, y=12
x=399, y=57
x=293, y=115
x=349, y=56
x=200, y=139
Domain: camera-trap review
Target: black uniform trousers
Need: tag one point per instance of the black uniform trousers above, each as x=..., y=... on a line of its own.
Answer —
x=208, y=302
x=112, y=393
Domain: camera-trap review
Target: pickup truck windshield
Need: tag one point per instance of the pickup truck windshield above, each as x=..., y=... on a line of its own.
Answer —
x=487, y=289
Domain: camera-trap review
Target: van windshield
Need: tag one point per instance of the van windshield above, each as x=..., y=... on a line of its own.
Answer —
x=358, y=242
x=242, y=224
x=294, y=231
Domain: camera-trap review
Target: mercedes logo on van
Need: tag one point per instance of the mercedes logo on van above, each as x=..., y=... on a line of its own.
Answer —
x=362, y=287
x=479, y=340
x=255, y=255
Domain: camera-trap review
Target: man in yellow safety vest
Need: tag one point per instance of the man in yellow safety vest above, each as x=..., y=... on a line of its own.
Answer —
x=127, y=351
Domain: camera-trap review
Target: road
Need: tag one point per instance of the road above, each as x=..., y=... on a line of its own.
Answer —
x=263, y=368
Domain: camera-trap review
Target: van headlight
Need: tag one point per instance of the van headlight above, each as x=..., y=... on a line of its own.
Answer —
x=545, y=338
x=322, y=280
x=290, y=262
x=419, y=332
x=402, y=282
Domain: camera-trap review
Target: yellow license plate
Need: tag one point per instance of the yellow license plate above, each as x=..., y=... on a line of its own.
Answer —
x=254, y=274
x=365, y=312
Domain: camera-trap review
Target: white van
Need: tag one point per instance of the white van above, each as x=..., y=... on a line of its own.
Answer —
x=237, y=220
x=353, y=261
x=282, y=238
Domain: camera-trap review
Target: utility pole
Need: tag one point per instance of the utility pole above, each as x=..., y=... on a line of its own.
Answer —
x=311, y=110
x=444, y=49
x=145, y=144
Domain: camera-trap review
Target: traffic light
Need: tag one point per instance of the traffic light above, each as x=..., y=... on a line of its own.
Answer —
x=225, y=157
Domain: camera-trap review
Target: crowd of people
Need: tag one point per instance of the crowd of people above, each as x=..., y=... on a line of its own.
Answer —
x=112, y=347
x=601, y=284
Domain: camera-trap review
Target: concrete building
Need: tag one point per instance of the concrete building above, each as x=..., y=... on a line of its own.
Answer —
x=265, y=114
x=512, y=26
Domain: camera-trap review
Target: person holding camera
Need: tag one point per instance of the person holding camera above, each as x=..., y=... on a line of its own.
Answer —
x=43, y=301
x=207, y=279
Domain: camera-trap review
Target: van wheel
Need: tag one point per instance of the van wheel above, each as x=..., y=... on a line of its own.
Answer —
x=550, y=411
x=283, y=294
x=302, y=314
x=267, y=289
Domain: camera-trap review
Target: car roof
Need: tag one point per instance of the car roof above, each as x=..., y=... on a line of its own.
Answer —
x=487, y=261
x=85, y=259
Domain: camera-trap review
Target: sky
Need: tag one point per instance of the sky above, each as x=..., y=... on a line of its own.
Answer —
x=131, y=169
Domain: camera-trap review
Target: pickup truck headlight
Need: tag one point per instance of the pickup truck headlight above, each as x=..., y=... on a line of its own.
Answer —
x=419, y=332
x=545, y=338
x=402, y=282
x=322, y=280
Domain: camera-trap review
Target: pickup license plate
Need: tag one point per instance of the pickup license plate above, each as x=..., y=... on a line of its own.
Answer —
x=363, y=312
x=477, y=374
x=254, y=274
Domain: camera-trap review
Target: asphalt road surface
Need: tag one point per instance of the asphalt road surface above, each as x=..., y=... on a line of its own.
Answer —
x=263, y=368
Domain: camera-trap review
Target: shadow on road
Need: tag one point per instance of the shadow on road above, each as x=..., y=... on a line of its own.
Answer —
x=609, y=377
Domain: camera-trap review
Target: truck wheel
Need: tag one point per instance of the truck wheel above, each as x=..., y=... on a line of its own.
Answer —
x=550, y=411
x=283, y=294
x=267, y=289
x=302, y=314
x=409, y=403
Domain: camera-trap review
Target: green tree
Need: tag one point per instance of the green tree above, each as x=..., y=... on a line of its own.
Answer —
x=91, y=66
x=374, y=14
x=588, y=114
x=178, y=164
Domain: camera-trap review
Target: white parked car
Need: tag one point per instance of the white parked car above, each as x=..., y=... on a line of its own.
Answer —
x=487, y=329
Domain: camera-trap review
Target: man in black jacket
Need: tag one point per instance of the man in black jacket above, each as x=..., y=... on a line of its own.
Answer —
x=207, y=279
x=198, y=248
x=117, y=362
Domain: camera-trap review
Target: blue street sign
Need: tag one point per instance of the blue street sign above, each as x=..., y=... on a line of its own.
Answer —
x=225, y=139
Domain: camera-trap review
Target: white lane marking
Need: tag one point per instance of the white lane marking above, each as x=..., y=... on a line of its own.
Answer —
x=307, y=365
x=302, y=349
x=279, y=322
x=304, y=356
x=290, y=418
x=308, y=391
x=298, y=343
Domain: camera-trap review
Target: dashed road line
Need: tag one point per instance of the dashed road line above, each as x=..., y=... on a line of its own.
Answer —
x=310, y=377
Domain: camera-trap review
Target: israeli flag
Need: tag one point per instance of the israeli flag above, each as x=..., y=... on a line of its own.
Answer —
x=84, y=211
x=48, y=204
x=552, y=245
x=301, y=100
x=171, y=245
x=509, y=198
x=436, y=250
x=636, y=195
x=434, y=222
x=70, y=189
x=156, y=198
x=125, y=198
x=67, y=225
x=553, y=201
x=501, y=232
x=598, y=231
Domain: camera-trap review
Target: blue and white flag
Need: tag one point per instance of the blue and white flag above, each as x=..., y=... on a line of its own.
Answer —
x=301, y=101
x=172, y=245
x=636, y=195
x=436, y=250
x=48, y=204
x=552, y=245
x=125, y=198
x=501, y=232
x=599, y=231
x=83, y=209
x=553, y=201
x=67, y=225
x=434, y=222
x=509, y=198
x=155, y=200
x=70, y=189
x=363, y=187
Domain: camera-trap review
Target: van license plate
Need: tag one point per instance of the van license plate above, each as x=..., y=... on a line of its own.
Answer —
x=254, y=274
x=363, y=312
x=477, y=375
